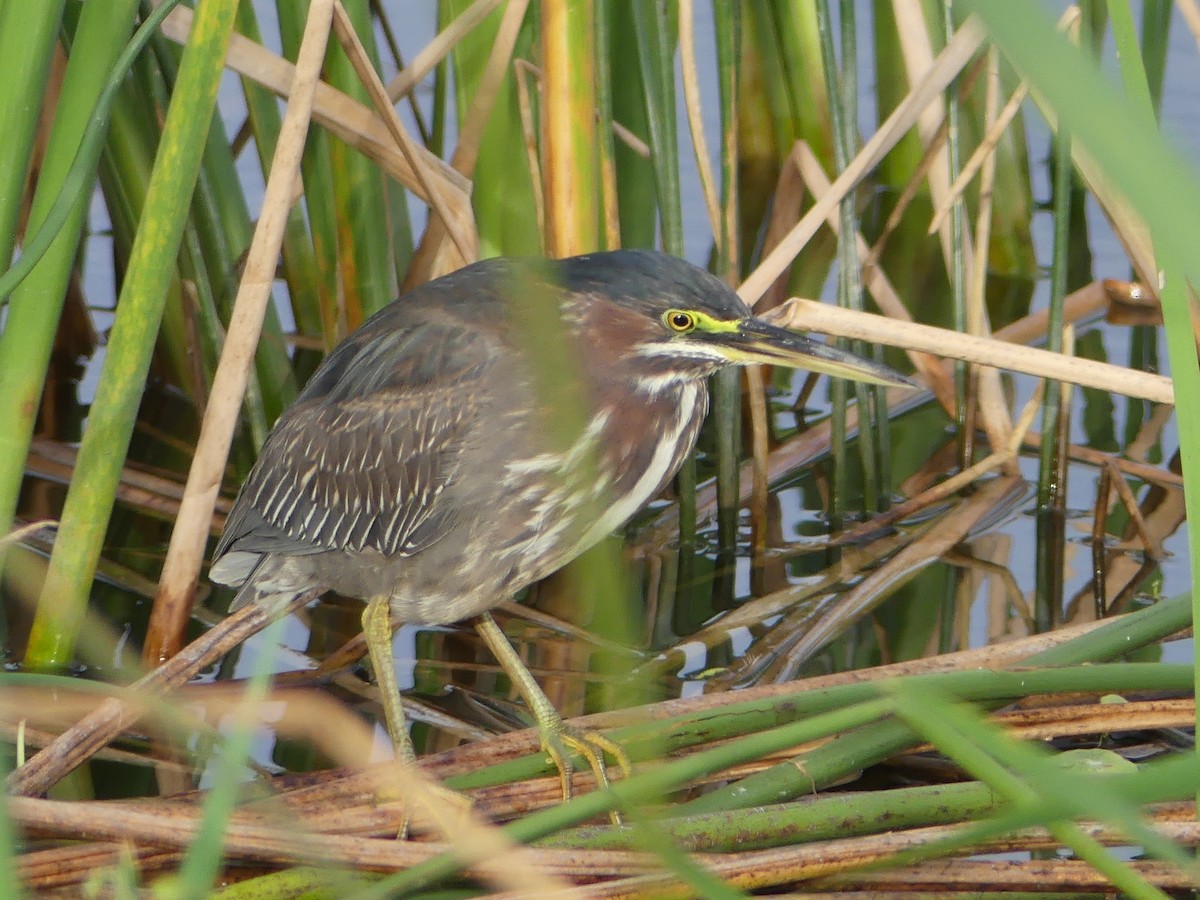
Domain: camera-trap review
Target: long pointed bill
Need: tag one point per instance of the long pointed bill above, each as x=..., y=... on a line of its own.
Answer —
x=757, y=342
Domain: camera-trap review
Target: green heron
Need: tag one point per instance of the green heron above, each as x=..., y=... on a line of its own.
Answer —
x=415, y=470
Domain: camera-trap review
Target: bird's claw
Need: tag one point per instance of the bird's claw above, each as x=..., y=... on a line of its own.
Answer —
x=561, y=740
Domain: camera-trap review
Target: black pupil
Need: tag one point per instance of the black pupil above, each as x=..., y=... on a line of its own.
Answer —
x=681, y=320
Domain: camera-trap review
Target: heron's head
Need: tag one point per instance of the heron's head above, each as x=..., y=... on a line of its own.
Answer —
x=667, y=320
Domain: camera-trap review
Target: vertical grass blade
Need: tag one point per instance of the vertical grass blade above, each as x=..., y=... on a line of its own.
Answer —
x=8, y=837
x=28, y=336
x=605, y=144
x=788, y=47
x=571, y=165
x=364, y=251
x=1050, y=494
x=27, y=33
x=653, y=30
x=300, y=269
x=215, y=237
x=842, y=86
x=638, y=218
x=656, y=60
x=503, y=199
x=110, y=425
x=1156, y=34
x=727, y=27
x=318, y=195
x=184, y=556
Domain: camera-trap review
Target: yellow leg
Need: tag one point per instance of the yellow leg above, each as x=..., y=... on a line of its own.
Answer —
x=377, y=627
x=557, y=735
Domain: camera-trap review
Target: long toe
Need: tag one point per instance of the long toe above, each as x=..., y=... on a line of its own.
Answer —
x=560, y=739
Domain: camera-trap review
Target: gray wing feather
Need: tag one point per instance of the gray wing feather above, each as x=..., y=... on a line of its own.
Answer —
x=360, y=460
x=364, y=474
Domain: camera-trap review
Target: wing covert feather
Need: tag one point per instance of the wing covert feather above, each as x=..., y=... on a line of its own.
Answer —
x=361, y=459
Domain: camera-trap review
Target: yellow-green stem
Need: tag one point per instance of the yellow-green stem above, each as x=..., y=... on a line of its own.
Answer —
x=139, y=310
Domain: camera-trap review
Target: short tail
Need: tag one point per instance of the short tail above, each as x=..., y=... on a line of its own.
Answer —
x=269, y=580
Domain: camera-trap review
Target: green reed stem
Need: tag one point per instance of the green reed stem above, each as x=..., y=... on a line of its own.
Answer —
x=654, y=33
x=1156, y=34
x=829, y=763
x=656, y=57
x=855, y=714
x=606, y=151
x=631, y=793
x=847, y=258
x=1050, y=494
x=27, y=339
x=957, y=273
x=27, y=36
x=873, y=430
x=363, y=251
x=727, y=385
x=1175, y=295
x=817, y=818
x=300, y=271
x=822, y=766
x=139, y=311
x=319, y=200
x=9, y=845
x=1012, y=768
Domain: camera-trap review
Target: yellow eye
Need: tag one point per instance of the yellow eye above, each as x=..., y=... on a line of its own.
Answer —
x=679, y=321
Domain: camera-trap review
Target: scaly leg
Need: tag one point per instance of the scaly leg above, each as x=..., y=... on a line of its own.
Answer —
x=557, y=735
x=377, y=628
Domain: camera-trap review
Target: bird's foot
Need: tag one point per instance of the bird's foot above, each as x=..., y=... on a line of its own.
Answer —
x=560, y=740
